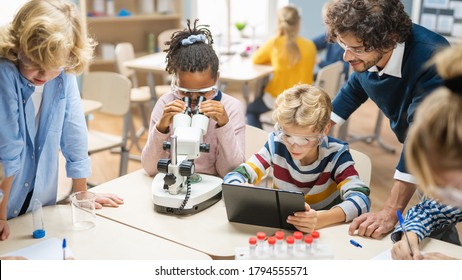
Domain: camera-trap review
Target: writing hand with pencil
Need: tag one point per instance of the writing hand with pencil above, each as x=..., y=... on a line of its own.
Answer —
x=408, y=247
x=400, y=250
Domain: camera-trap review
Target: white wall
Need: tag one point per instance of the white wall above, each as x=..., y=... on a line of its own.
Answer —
x=8, y=9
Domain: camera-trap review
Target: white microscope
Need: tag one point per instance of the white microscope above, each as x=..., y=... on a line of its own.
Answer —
x=176, y=189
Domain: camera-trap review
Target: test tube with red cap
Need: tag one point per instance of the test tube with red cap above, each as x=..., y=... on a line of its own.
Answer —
x=271, y=245
x=308, y=244
x=290, y=240
x=298, y=236
x=261, y=236
x=315, y=235
x=279, y=241
x=252, y=247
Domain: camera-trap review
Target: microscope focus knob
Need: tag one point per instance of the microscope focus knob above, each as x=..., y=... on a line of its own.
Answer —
x=169, y=180
x=186, y=168
x=162, y=165
x=166, y=146
x=204, y=148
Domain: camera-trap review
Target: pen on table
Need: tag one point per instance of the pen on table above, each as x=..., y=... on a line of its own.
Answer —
x=64, y=248
x=401, y=223
x=354, y=243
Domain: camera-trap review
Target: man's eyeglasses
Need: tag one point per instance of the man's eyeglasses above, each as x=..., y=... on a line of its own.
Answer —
x=301, y=140
x=356, y=51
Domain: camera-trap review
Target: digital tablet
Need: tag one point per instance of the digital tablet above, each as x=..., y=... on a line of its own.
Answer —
x=261, y=206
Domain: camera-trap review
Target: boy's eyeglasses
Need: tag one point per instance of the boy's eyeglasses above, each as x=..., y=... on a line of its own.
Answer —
x=356, y=51
x=300, y=140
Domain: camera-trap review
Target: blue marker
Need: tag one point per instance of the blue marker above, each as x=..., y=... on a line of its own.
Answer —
x=64, y=248
x=354, y=243
x=401, y=223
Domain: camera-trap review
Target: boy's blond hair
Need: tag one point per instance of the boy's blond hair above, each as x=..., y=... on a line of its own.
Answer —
x=51, y=34
x=434, y=141
x=303, y=105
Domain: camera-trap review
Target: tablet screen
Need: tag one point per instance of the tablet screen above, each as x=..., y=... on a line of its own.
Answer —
x=261, y=206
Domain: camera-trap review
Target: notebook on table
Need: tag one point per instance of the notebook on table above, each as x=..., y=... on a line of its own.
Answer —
x=261, y=206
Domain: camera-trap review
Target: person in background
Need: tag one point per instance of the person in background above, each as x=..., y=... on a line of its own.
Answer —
x=305, y=159
x=292, y=57
x=194, y=64
x=333, y=53
x=434, y=156
x=332, y=50
x=40, y=108
x=387, y=53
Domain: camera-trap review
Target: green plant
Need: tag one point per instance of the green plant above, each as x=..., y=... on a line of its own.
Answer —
x=240, y=25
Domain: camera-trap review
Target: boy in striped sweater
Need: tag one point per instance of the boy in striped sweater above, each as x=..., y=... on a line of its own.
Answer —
x=305, y=159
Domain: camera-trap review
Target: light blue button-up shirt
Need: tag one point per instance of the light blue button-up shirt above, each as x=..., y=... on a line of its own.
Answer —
x=32, y=156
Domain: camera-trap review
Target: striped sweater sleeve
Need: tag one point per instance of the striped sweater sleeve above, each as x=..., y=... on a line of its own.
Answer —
x=353, y=191
x=426, y=217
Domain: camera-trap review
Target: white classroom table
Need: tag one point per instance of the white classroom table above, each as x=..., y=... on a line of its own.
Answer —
x=233, y=68
x=107, y=240
x=338, y=239
x=210, y=231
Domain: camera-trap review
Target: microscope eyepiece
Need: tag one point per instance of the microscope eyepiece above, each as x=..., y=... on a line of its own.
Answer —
x=188, y=101
x=200, y=99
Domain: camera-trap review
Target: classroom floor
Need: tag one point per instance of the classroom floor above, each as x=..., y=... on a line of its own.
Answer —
x=106, y=164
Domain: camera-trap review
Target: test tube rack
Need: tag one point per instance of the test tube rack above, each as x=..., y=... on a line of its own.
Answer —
x=296, y=247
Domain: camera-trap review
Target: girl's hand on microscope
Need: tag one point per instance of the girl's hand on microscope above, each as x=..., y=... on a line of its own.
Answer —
x=170, y=110
x=214, y=110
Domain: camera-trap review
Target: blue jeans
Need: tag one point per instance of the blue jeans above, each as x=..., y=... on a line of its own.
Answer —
x=448, y=234
x=254, y=110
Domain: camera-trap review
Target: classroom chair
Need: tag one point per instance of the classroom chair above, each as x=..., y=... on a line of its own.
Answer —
x=162, y=38
x=139, y=96
x=363, y=165
x=113, y=91
x=330, y=78
x=255, y=138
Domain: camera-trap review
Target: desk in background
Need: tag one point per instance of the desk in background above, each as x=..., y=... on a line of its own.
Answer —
x=232, y=69
x=107, y=240
x=210, y=231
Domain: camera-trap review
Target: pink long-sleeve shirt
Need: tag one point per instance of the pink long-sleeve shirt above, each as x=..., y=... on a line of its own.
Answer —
x=226, y=142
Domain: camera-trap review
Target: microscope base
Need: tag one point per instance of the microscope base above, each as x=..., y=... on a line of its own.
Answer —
x=197, y=208
x=203, y=195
